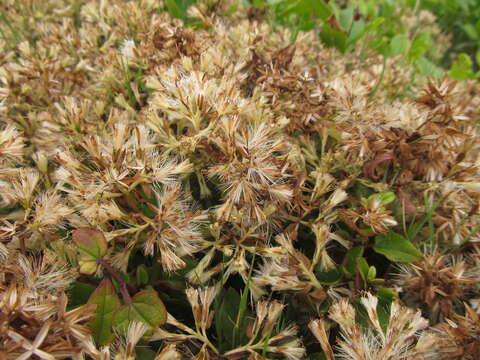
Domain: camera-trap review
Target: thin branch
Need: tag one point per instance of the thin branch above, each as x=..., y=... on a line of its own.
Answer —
x=114, y=273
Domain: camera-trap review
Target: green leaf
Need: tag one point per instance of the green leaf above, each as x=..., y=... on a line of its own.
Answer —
x=335, y=134
x=92, y=245
x=462, y=68
x=376, y=281
x=383, y=311
x=385, y=298
x=329, y=277
x=90, y=242
x=107, y=303
x=386, y=294
x=146, y=307
x=178, y=8
x=399, y=45
x=385, y=197
x=477, y=57
x=471, y=31
x=144, y=353
x=352, y=258
x=396, y=248
x=372, y=273
x=356, y=32
x=374, y=24
x=366, y=231
x=419, y=47
x=346, y=18
x=142, y=275
x=174, y=9
x=361, y=191
x=427, y=68
x=362, y=267
x=225, y=318
x=333, y=38
x=321, y=9
x=258, y=3
x=382, y=45
x=79, y=293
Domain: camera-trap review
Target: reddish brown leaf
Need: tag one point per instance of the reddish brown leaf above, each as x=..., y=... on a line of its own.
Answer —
x=370, y=166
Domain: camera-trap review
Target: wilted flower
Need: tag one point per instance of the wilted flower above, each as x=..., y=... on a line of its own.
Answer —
x=397, y=341
x=436, y=282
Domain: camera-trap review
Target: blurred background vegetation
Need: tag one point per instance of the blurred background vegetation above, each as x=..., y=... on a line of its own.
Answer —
x=434, y=36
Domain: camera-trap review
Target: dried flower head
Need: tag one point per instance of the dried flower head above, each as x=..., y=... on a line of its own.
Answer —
x=397, y=341
x=436, y=282
x=459, y=337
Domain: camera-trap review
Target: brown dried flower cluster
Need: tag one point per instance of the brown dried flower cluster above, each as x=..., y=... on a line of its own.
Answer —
x=34, y=320
x=437, y=282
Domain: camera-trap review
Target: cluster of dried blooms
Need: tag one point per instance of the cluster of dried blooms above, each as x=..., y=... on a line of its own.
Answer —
x=227, y=154
x=34, y=319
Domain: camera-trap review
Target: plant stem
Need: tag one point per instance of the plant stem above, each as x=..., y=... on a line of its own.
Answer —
x=380, y=78
x=114, y=273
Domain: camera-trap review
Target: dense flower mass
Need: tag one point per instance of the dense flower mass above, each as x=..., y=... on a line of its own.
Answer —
x=258, y=198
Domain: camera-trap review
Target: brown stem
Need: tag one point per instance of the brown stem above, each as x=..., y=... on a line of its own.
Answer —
x=23, y=247
x=358, y=283
x=168, y=285
x=123, y=284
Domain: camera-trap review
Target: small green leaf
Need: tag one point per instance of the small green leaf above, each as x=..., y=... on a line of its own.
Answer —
x=146, y=307
x=374, y=24
x=335, y=134
x=346, y=18
x=383, y=198
x=386, y=294
x=333, y=38
x=226, y=316
x=90, y=242
x=383, y=311
x=376, y=281
x=471, y=31
x=399, y=45
x=142, y=275
x=320, y=7
x=385, y=298
x=258, y=3
x=356, y=32
x=144, y=353
x=361, y=191
x=366, y=231
x=79, y=293
x=352, y=259
x=419, y=47
x=174, y=9
x=92, y=245
x=477, y=57
x=362, y=267
x=329, y=277
x=427, y=68
x=107, y=303
x=382, y=45
x=396, y=248
x=462, y=68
